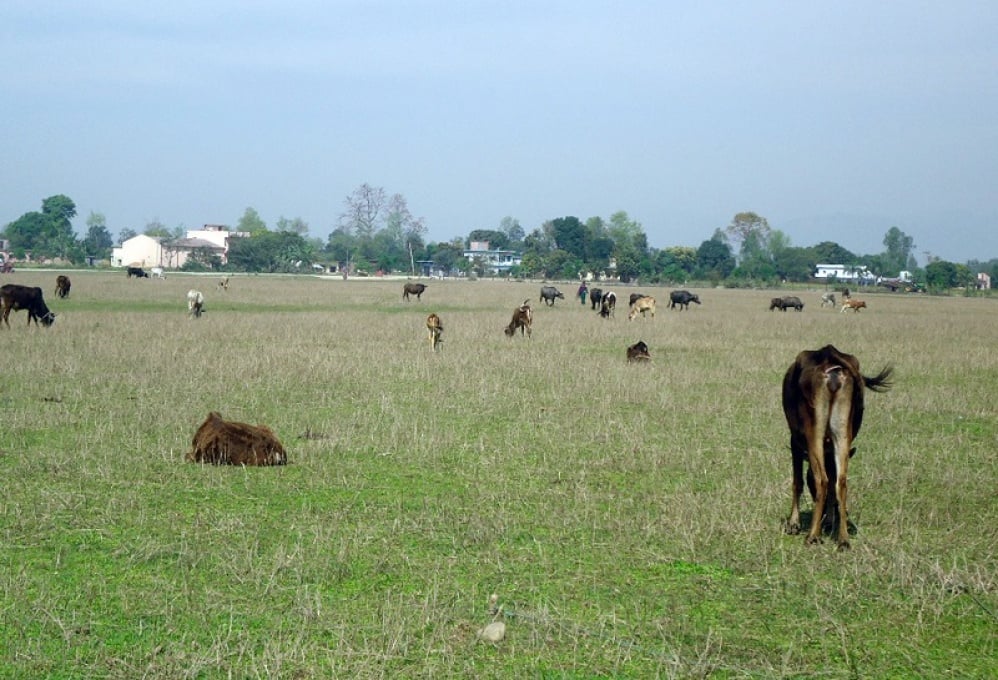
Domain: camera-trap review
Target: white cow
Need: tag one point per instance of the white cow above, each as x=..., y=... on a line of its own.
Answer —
x=157, y=273
x=195, y=303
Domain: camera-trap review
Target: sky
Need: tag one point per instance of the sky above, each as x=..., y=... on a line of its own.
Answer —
x=834, y=121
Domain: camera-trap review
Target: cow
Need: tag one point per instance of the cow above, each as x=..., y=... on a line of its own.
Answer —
x=14, y=296
x=62, y=286
x=638, y=352
x=158, y=273
x=681, y=299
x=595, y=297
x=608, y=304
x=642, y=305
x=436, y=329
x=413, y=289
x=224, y=283
x=137, y=272
x=823, y=405
x=828, y=299
x=523, y=317
x=195, y=303
x=782, y=303
x=853, y=304
x=223, y=442
x=549, y=293
x=634, y=298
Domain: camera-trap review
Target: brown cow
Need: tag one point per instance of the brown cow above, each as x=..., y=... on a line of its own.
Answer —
x=436, y=329
x=62, y=286
x=224, y=442
x=854, y=305
x=14, y=296
x=638, y=352
x=413, y=289
x=523, y=317
x=642, y=305
x=823, y=405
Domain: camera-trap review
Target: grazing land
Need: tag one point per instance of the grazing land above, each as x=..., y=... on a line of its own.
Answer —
x=628, y=517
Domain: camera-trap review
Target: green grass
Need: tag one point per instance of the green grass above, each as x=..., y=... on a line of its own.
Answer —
x=627, y=517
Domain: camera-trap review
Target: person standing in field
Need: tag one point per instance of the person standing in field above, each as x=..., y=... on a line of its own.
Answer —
x=582, y=293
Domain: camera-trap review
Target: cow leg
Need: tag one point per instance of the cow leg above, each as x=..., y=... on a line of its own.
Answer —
x=797, y=461
x=841, y=427
x=816, y=463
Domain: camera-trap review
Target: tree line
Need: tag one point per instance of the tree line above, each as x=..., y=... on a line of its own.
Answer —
x=377, y=232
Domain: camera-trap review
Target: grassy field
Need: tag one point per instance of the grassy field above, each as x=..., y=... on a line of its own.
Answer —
x=628, y=518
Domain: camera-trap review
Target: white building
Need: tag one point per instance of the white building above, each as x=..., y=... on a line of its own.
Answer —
x=495, y=261
x=154, y=251
x=846, y=273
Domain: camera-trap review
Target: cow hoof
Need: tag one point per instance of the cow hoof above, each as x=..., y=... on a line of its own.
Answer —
x=792, y=528
x=812, y=540
x=844, y=545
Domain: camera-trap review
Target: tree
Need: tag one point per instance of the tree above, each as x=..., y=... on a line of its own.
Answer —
x=899, y=247
x=386, y=232
x=295, y=226
x=511, y=227
x=497, y=240
x=126, y=234
x=570, y=236
x=251, y=222
x=98, y=241
x=745, y=226
x=714, y=258
x=829, y=252
x=48, y=233
x=270, y=251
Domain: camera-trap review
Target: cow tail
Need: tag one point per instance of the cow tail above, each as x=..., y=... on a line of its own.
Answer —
x=880, y=382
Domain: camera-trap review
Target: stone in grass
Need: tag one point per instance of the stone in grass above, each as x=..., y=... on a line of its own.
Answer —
x=494, y=632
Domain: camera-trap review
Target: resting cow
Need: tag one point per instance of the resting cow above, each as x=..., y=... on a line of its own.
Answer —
x=413, y=289
x=681, y=299
x=223, y=442
x=62, y=286
x=853, y=304
x=436, y=329
x=522, y=319
x=638, y=352
x=195, y=303
x=14, y=296
x=823, y=405
x=549, y=293
x=642, y=305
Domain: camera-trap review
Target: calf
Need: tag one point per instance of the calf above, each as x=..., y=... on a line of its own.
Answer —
x=681, y=299
x=638, y=352
x=195, y=303
x=523, y=317
x=549, y=293
x=823, y=405
x=223, y=442
x=413, y=289
x=137, y=272
x=14, y=296
x=62, y=286
x=158, y=273
x=853, y=304
x=608, y=304
x=642, y=305
x=436, y=329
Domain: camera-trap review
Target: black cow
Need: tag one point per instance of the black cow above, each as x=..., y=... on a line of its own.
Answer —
x=823, y=405
x=549, y=293
x=638, y=352
x=62, y=285
x=681, y=299
x=782, y=303
x=595, y=297
x=413, y=289
x=15, y=296
x=137, y=272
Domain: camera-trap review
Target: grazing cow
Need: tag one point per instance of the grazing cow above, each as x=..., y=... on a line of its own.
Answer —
x=634, y=298
x=681, y=299
x=549, y=293
x=782, y=303
x=638, y=352
x=413, y=289
x=523, y=317
x=224, y=442
x=436, y=329
x=828, y=299
x=195, y=303
x=137, y=272
x=642, y=305
x=15, y=296
x=62, y=286
x=158, y=273
x=595, y=297
x=854, y=305
x=224, y=283
x=823, y=405
x=608, y=304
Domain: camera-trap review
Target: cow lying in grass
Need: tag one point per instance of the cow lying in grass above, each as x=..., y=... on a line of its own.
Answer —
x=223, y=442
x=436, y=329
x=638, y=352
x=523, y=317
x=823, y=405
x=854, y=305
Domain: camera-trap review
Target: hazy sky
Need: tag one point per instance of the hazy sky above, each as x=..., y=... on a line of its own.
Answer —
x=835, y=121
